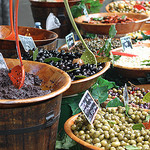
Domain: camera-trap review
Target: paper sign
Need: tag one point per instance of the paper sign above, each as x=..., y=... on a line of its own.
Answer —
x=70, y=40
x=88, y=106
x=125, y=95
x=27, y=42
x=2, y=62
x=126, y=42
x=86, y=14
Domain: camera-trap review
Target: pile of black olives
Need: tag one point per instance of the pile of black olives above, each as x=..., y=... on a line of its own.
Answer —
x=73, y=69
x=135, y=95
x=112, y=129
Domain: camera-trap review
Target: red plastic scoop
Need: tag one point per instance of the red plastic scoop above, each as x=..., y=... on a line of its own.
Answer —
x=123, y=54
x=11, y=36
x=17, y=74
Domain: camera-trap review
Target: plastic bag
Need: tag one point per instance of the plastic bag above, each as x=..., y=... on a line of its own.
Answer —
x=52, y=22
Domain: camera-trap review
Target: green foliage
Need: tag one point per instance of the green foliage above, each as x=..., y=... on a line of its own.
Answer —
x=127, y=109
x=103, y=59
x=146, y=98
x=100, y=93
x=80, y=76
x=138, y=126
x=107, y=46
x=103, y=82
x=114, y=103
x=130, y=147
x=55, y=59
x=145, y=37
x=95, y=6
x=99, y=90
x=75, y=108
x=112, y=31
x=65, y=143
x=77, y=10
x=35, y=54
x=91, y=35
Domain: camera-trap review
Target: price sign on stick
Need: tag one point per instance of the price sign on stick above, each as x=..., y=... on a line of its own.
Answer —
x=86, y=14
x=126, y=42
x=27, y=42
x=70, y=41
x=88, y=106
x=125, y=95
x=2, y=62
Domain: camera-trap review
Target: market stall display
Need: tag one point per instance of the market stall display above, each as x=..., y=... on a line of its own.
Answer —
x=64, y=74
x=103, y=28
x=111, y=128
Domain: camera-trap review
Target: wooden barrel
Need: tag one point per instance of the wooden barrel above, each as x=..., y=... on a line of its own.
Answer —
x=31, y=124
x=41, y=10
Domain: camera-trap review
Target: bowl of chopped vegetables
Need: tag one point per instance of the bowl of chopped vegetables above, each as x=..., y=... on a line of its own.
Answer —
x=100, y=23
x=142, y=7
x=134, y=67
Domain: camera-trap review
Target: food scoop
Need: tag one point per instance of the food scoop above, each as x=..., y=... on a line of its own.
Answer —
x=17, y=74
x=87, y=56
x=11, y=36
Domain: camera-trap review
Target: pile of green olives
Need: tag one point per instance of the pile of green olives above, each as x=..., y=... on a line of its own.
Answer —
x=112, y=129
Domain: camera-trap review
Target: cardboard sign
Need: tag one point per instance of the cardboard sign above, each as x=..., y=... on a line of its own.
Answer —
x=2, y=62
x=70, y=40
x=125, y=95
x=88, y=106
x=126, y=42
x=27, y=42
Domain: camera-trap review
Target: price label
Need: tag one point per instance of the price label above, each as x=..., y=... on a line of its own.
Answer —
x=27, y=42
x=88, y=106
x=126, y=42
x=86, y=14
x=2, y=62
x=70, y=40
x=125, y=95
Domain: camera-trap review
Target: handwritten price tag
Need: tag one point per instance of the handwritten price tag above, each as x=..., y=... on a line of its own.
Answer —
x=126, y=42
x=70, y=41
x=88, y=106
x=27, y=42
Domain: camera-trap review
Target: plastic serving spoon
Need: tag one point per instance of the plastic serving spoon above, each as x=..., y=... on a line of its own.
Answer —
x=17, y=74
x=142, y=20
x=87, y=56
x=123, y=54
x=11, y=36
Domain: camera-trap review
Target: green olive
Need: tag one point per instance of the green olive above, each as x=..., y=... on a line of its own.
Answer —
x=104, y=143
x=96, y=140
x=115, y=144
